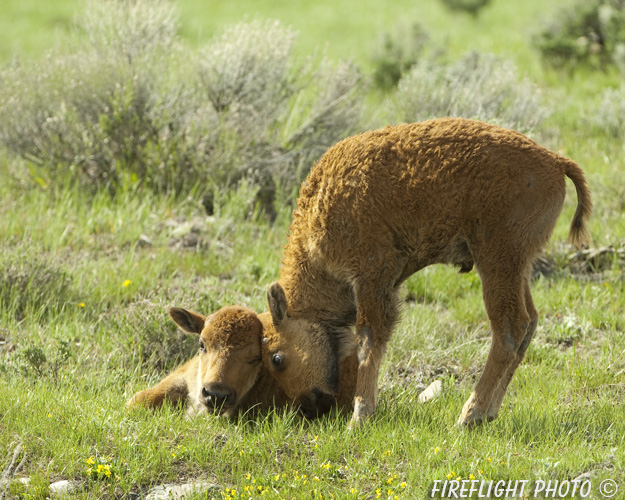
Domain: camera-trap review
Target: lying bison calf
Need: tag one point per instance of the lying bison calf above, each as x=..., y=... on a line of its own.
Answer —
x=228, y=375
x=382, y=205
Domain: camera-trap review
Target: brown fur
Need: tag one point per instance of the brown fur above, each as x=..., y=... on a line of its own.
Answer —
x=382, y=205
x=228, y=375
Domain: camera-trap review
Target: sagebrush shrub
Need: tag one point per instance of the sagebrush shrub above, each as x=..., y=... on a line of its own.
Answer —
x=129, y=105
x=33, y=283
x=609, y=115
x=96, y=112
x=480, y=86
x=130, y=28
x=276, y=115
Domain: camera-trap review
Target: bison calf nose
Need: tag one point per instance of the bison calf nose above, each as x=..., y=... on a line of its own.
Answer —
x=316, y=403
x=218, y=396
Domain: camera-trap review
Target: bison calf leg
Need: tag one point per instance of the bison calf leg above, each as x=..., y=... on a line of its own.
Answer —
x=500, y=392
x=370, y=356
x=376, y=315
x=504, y=296
x=171, y=389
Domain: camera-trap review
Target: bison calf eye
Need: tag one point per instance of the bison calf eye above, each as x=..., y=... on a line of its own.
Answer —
x=202, y=346
x=277, y=361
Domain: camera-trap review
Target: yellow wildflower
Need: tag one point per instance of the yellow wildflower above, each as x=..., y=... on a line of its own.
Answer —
x=126, y=283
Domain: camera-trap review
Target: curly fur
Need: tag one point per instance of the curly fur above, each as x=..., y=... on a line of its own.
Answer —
x=382, y=205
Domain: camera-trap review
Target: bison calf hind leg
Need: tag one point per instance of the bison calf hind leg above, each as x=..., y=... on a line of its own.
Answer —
x=500, y=392
x=512, y=318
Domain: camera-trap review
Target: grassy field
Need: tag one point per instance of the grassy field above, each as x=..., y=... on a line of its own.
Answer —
x=346, y=29
x=86, y=278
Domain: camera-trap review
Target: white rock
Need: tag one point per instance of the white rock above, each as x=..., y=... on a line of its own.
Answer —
x=178, y=491
x=433, y=390
x=63, y=488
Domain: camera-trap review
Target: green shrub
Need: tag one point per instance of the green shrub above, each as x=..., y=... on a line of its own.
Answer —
x=480, y=86
x=588, y=32
x=128, y=105
x=472, y=7
x=396, y=53
x=40, y=360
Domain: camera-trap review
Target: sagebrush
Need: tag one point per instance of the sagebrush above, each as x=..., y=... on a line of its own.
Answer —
x=129, y=105
x=480, y=86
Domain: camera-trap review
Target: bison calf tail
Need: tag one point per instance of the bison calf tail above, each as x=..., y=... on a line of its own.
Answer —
x=579, y=235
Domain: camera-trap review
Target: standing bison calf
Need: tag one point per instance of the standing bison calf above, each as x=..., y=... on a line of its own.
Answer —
x=382, y=205
x=228, y=375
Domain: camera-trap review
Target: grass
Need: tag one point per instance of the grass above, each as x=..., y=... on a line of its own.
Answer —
x=28, y=29
x=87, y=279
x=562, y=417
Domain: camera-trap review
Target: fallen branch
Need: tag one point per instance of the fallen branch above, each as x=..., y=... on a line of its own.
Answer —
x=11, y=470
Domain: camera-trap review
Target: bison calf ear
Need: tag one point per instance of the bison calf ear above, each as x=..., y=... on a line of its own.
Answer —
x=189, y=321
x=277, y=303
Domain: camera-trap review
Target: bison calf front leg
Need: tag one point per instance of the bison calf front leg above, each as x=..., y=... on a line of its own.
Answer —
x=376, y=315
x=370, y=356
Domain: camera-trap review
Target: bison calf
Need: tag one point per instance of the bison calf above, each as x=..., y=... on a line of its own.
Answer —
x=378, y=207
x=228, y=375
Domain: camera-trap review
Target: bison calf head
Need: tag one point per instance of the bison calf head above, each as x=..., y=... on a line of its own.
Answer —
x=230, y=355
x=303, y=356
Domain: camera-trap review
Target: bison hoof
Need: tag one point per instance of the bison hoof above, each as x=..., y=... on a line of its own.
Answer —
x=471, y=416
x=469, y=423
x=362, y=411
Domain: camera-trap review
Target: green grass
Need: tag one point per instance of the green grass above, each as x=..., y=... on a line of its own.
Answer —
x=563, y=415
x=87, y=280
